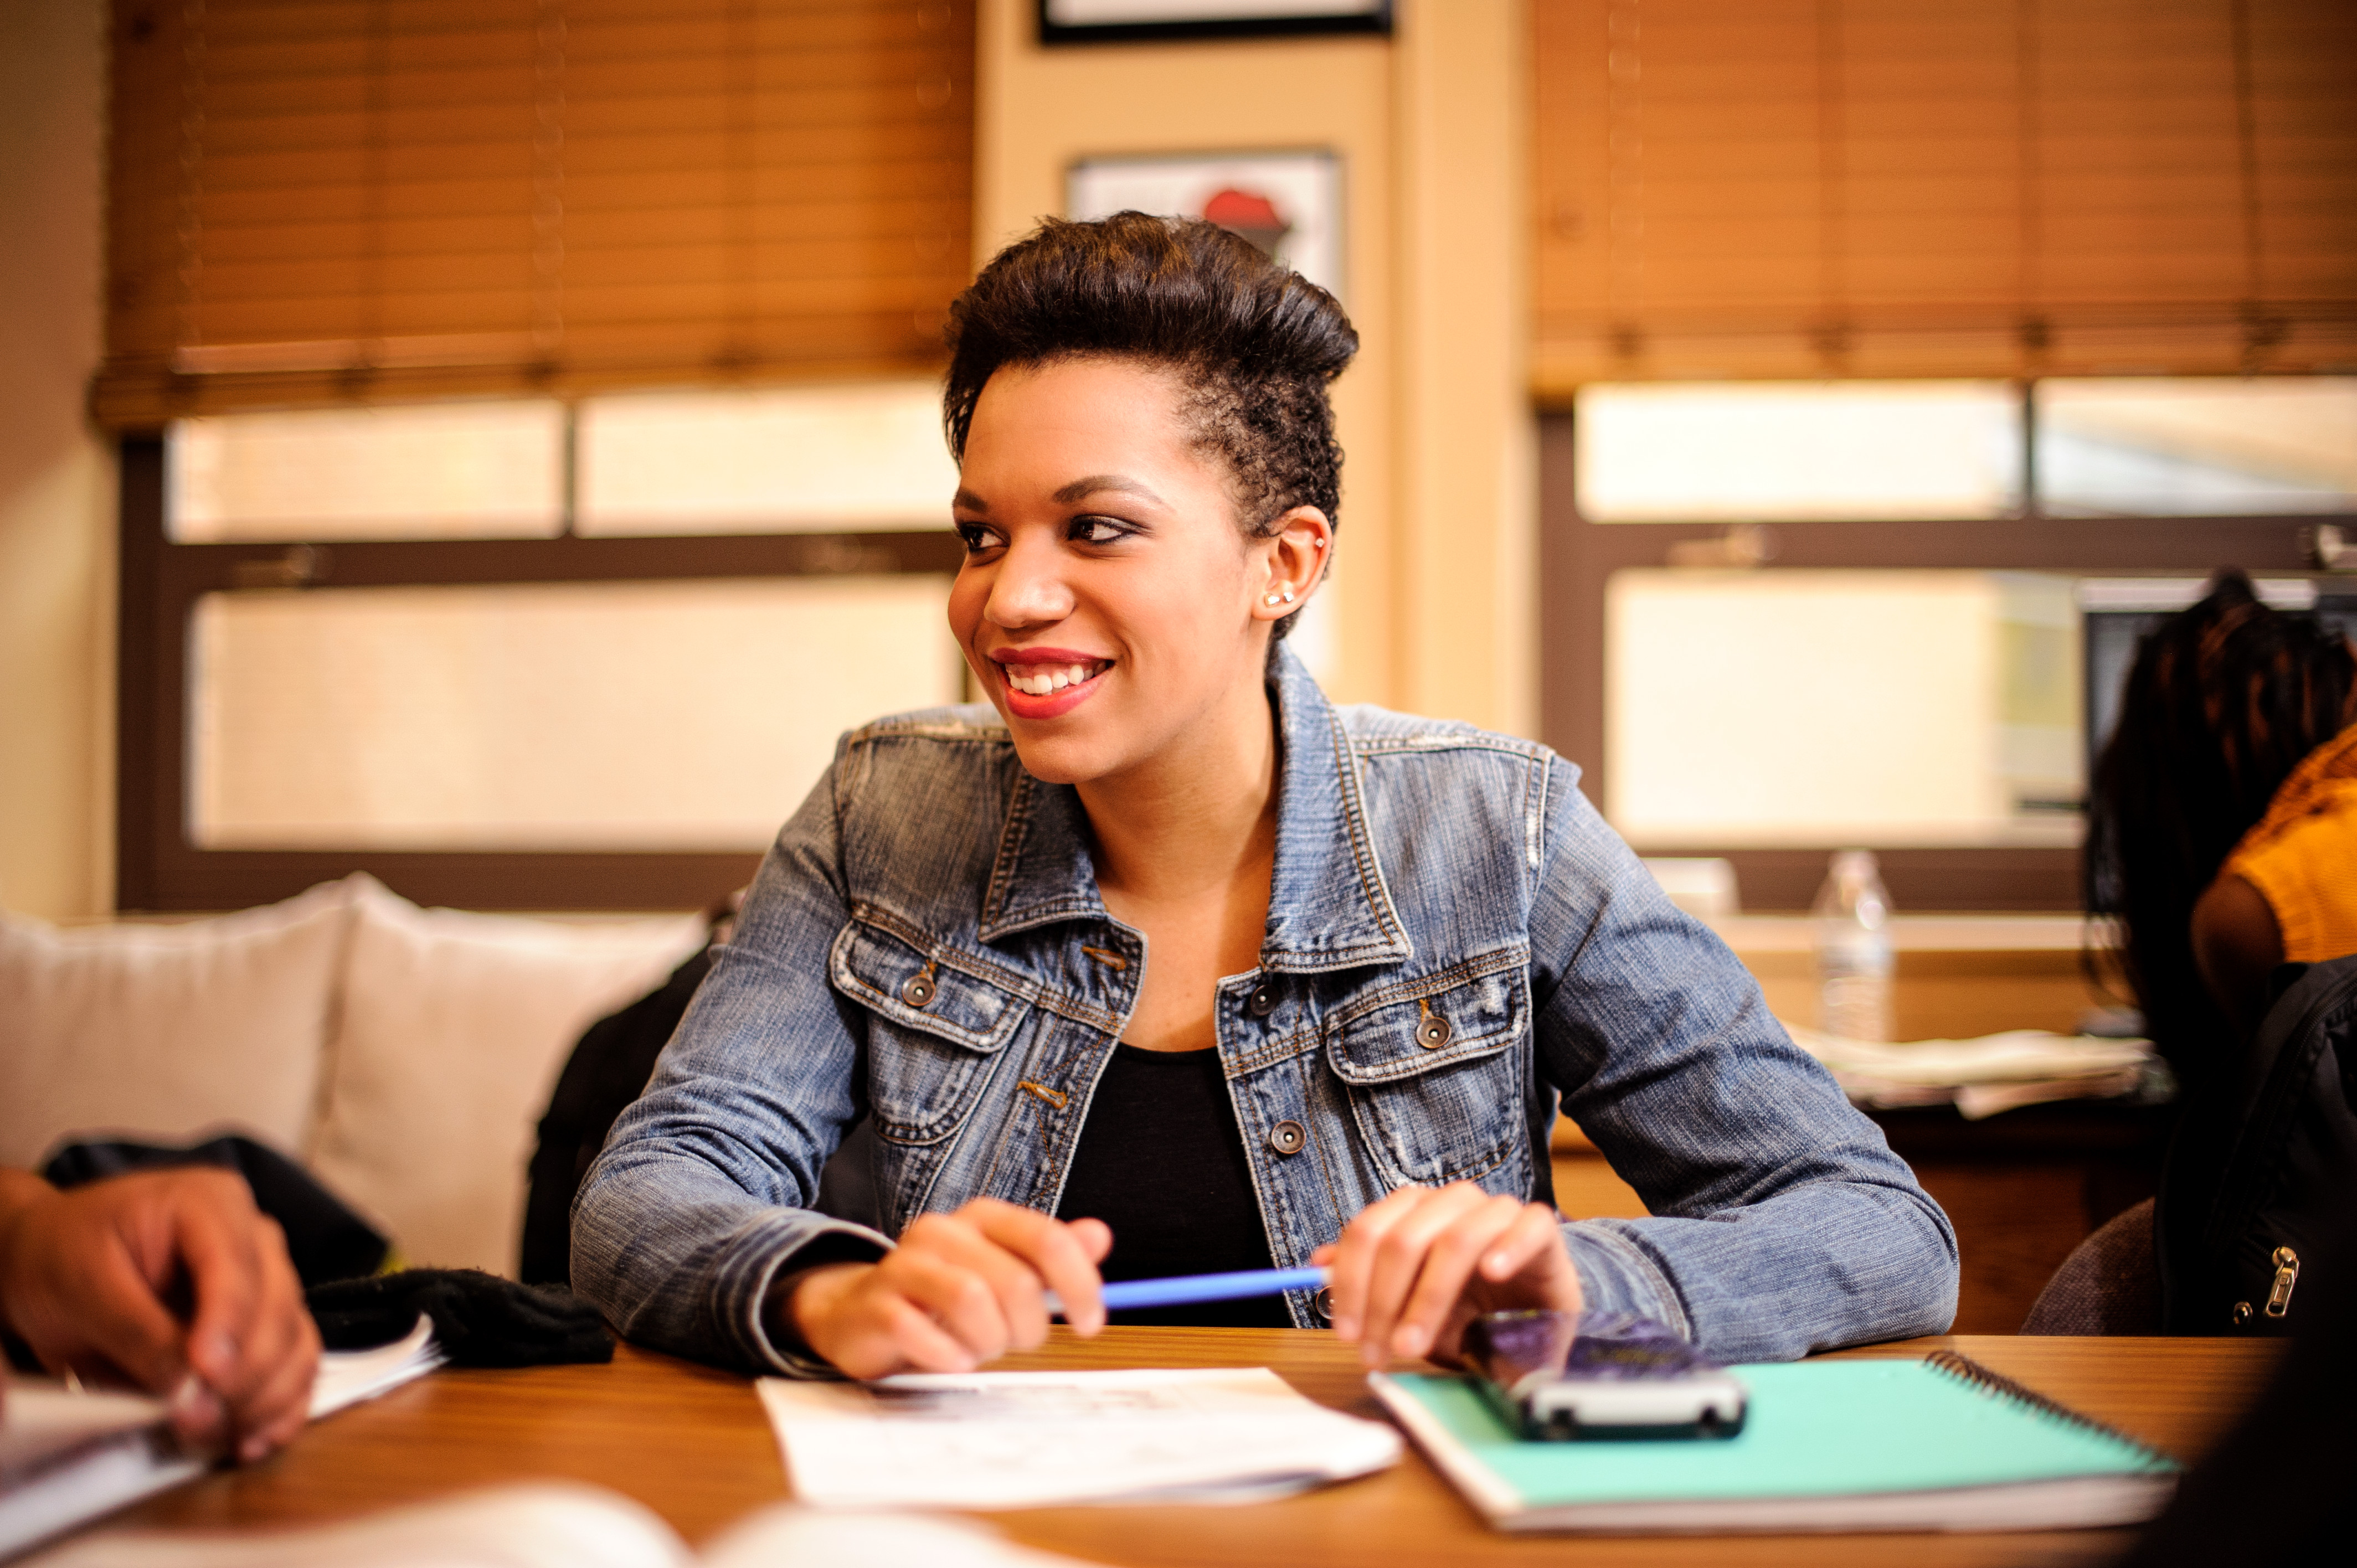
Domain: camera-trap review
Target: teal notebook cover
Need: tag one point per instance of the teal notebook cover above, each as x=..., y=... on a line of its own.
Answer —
x=1816, y=1429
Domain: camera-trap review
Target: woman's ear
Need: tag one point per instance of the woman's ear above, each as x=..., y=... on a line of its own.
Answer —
x=1294, y=560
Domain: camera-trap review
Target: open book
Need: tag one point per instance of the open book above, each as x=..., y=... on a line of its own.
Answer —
x=67, y=1457
x=551, y=1525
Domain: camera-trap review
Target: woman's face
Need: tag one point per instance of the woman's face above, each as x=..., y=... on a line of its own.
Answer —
x=1110, y=604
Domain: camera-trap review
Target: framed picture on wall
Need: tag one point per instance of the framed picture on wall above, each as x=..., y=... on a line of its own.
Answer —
x=1288, y=203
x=1142, y=21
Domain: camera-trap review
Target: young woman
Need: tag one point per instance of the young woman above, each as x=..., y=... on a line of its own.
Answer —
x=2222, y=833
x=1167, y=965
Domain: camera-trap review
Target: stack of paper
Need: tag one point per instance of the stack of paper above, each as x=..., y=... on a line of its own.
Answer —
x=1012, y=1440
x=348, y=1377
x=67, y=1457
x=1982, y=1077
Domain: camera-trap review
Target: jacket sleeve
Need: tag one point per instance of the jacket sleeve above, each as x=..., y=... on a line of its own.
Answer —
x=702, y=1194
x=1781, y=1223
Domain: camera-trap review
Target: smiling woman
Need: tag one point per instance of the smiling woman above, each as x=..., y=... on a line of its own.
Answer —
x=1162, y=964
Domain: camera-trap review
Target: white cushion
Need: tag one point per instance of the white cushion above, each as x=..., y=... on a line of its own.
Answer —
x=453, y=1029
x=166, y=1032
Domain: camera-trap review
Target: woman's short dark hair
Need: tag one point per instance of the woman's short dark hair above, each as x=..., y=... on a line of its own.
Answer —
x=1255, y=343
x=2222, y=701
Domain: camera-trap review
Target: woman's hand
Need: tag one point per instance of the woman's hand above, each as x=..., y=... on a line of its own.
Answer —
x=1414, y=1268
x=171, y=1281
x=959, y=1289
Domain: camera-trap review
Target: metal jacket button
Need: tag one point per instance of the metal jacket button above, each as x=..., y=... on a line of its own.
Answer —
x=920, y=990
x=1322, y=1304
x=1288, y=1137
x=1262, y=1004
x=1432, y=1031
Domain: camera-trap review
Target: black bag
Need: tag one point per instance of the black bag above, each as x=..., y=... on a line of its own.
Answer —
x=2260, y=1176
x=325, y=1241
x=608, y=1069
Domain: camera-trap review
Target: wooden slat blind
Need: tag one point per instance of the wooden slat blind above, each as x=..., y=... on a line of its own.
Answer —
x=1936, y=187
x=324, y=200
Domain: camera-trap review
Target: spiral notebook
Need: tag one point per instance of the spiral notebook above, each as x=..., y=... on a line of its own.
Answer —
x=1939, y=1444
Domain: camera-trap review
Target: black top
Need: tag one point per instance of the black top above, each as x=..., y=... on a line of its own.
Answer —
x=1161, y=1162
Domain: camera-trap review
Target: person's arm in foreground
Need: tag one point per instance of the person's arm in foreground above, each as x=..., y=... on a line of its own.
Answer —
x=1781, y=1223
x=169, y=1281
x=694, y=1230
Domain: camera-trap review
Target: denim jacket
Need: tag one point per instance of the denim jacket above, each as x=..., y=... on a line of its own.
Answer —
x=1457, y=947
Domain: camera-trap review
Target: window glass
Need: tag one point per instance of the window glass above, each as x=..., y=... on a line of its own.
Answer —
x=1754, y=709
x=643, y=716
x=1700, y=452
x=2146, y=447
x=458, y=470
x=804, y=458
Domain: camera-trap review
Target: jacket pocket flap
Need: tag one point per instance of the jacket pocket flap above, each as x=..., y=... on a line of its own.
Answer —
x=1457, y=1019
x=890, y=976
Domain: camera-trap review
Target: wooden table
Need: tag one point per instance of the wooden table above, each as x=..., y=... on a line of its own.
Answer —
x=691, y=1444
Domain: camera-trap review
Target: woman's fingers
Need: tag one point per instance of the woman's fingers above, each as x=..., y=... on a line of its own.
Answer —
x=1535, y=1245
x=1350, y=1261
x=1412, y=1267
x=955, y=1294
x=1450, y=1256
x=961, y=1289
x=1053, y=1253
x=1400, y=1258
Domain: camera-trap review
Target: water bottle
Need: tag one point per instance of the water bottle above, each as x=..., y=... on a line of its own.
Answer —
x=1853, y=957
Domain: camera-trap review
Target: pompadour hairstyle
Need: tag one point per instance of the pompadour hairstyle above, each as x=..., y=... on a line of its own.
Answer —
x=1255, y=344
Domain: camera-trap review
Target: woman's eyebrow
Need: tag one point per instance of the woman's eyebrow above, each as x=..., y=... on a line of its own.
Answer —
x=1096, y=482
x=969, y=500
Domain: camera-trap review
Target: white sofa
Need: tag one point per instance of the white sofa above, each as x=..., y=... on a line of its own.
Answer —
x=404, y=1055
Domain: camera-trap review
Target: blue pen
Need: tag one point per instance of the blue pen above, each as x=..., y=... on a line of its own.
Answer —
x=1129, y=1294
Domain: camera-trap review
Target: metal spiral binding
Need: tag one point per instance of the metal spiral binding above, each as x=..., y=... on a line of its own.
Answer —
x=1965, y=1369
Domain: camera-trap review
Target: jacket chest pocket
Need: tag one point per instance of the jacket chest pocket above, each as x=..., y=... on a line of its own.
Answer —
x=934, y=1031
x=1435, y=1076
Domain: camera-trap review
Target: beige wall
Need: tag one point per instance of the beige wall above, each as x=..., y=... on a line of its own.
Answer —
x=57, y=561
x=1437, y=563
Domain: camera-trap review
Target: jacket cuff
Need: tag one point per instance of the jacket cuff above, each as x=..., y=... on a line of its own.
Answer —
x=1615, y=1274
x=781, y=1243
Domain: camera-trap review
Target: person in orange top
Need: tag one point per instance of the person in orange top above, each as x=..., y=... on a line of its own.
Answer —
x=2222, y=829
x=2288, y=893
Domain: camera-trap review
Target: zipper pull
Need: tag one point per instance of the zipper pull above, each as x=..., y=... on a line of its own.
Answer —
x=2287, y=1263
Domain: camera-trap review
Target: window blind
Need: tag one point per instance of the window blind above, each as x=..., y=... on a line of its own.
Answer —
x=316, y=201
x=1888, y=188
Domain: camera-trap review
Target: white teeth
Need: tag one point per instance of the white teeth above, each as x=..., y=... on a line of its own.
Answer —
x=1042, y=680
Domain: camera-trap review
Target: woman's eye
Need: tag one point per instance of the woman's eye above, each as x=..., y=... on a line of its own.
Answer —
x=977, y=538
x=1095, y=530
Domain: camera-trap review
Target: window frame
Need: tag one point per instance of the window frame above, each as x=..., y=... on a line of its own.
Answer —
x=157, y=868
x=1578, y=558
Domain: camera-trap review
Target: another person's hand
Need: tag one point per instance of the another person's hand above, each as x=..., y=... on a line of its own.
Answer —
x=168, y=1280
x=1414, y=1268
x=959, y=1289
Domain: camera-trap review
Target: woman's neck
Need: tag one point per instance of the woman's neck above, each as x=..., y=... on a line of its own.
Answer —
x=1192, y=818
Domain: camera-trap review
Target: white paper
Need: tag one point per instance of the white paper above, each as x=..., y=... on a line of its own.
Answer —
x=2017, y=1055
x=1004, y=1440
x=348, y=1377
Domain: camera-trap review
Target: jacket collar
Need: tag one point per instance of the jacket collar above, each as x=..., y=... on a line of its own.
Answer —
x=1328, y=906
